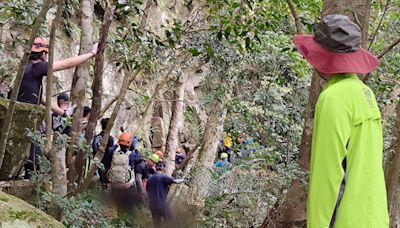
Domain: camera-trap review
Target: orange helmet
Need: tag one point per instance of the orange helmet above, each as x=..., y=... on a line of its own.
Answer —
x=125, y=139
x=160, y=154
x=40, y=44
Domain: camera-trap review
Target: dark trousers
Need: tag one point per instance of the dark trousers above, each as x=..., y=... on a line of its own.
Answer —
x=124, y=199
x=33, y=162
x=161, y=216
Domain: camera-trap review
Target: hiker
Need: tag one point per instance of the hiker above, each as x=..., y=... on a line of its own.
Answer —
x=122, y=177
x=228, y=145
x=143, y=170
x=31, y=86
x=108, y=153
x=160, y=155
x=135, y=143
x=59, y=121
x=83, y=122
x=157, y=190
x=347, y=185
x=245, y=143
x=179, y=155
x=223, y=163
x=58, y=125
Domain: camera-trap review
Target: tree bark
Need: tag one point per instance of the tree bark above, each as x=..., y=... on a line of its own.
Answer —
x=78, y=89
x=58, y=168
x=292, y=212
x=174, y=126
x=393, y=174
x=201, y=174
x=50, y=75
x=296, y=17
x=56, y=153
x=97, y=86
x=18, y=79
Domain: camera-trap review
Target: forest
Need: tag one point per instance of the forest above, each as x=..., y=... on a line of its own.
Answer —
x=212, y=96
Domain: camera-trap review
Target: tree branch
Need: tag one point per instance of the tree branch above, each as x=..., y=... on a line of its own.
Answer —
x=97, y=86
x=50, y=75
x=388, y=48
x=381, y=55
x=100, y=152
x=379, y=24
x=111, y=102
x=295, y=16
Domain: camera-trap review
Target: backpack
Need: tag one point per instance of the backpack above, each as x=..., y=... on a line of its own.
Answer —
x=120, y=172
x=97, y=143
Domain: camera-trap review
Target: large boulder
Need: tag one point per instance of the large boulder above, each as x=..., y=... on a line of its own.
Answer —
x=26, y=116
x=15, y=212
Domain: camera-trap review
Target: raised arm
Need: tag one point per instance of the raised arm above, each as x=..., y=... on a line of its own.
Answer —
x=54, y=107
x=74, y=61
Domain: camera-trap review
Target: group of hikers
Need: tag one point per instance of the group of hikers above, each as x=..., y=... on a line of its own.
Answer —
x=126, y=173
x=227, y=153
x=131, y=177
x=347, y=187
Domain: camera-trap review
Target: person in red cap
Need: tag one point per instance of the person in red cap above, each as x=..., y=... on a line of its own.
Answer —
x=31, y=86
x=347, y=185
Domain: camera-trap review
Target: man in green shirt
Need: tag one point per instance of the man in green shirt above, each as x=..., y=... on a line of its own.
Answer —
x=347, y=186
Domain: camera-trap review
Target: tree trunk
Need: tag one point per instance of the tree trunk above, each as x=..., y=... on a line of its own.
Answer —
x=97, y=86
x=50, y=75
x=78, y=89
x=58, y=169
x=393, y=174
x=56, y=153
x=18, y=79
x=292, y=212
x=174, y=126
x=201, y=175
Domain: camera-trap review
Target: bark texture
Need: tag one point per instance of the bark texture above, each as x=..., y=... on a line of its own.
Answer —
x=97, y=86
x=58, y=169
x=56, y=152
x=18, y=79
x=50, y=75
x=174, y=126
x=78, y=87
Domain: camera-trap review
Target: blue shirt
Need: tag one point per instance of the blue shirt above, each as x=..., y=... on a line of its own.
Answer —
x=157, y=189
x=221, y=163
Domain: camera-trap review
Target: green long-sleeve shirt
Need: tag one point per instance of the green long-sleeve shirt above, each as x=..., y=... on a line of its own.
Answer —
x=346, y=159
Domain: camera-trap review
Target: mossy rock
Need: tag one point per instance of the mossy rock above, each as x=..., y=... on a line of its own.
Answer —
x=26, y=116
x=15, y=212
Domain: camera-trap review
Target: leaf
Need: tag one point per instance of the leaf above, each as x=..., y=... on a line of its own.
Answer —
x=171, y=42
x=195, y=52
x=219, y=35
